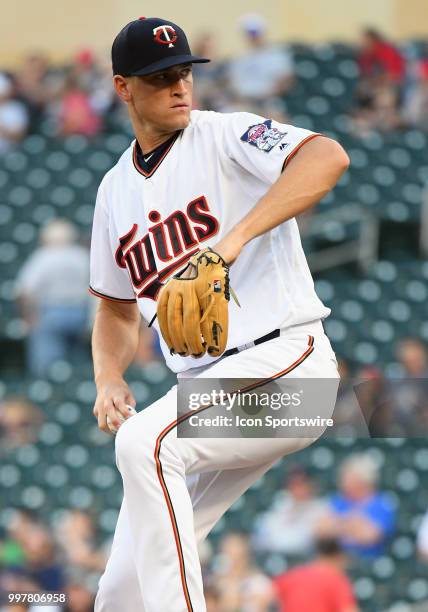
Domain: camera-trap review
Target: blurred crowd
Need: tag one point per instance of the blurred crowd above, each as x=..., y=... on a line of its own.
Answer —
x=317, y=535
x=391, y=90
x=63, y=100
x=370, y=404
x=66, y=558
x=52, y=299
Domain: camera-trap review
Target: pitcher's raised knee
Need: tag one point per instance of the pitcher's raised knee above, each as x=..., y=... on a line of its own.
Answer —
x=134, y=442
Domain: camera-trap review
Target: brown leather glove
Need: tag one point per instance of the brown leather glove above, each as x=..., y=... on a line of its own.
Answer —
x=192, y=307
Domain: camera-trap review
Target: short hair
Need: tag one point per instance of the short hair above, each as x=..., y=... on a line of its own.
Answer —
x=363, y=465
x=328, y=547
x=413, y=341
x=58, y=232
x=372, y=33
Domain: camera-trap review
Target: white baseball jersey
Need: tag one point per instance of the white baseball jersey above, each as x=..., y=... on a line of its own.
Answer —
x=147, y=224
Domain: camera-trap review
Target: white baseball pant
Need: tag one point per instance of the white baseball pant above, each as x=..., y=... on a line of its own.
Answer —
x=176, y=489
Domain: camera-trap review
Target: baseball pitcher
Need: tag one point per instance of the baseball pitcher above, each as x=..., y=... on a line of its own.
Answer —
x=194, y=229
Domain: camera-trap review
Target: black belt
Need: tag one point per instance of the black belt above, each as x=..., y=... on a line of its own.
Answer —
x=270, y=336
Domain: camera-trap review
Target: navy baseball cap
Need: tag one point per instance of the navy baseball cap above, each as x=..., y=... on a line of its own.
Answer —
x=149, y=44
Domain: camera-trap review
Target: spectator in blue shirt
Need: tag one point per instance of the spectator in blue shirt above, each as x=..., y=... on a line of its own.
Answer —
x=362, y=517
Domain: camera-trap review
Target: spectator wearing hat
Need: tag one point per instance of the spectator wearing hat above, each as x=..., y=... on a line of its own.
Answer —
x=264, y=71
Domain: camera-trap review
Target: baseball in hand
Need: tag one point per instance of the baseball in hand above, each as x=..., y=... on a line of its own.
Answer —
x=121, y=418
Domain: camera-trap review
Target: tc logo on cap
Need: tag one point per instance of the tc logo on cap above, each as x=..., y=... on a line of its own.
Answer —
x=165, y=35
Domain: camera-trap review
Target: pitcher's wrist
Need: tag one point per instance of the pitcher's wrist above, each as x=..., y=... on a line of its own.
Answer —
x=107, y=378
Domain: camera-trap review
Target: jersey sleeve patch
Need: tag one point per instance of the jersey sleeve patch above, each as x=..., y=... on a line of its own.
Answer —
x=263, y=136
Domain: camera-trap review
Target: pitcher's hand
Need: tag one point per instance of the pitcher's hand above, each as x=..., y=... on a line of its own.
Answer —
x=113, y=401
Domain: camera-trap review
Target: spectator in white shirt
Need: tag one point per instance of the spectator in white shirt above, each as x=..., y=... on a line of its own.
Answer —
x=288, y=527
x=265, y=71
x=52, y=294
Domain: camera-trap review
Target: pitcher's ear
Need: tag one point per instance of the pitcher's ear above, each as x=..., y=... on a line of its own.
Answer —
x=121, y=85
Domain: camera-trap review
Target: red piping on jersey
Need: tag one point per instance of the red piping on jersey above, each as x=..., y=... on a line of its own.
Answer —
x=296, y=150
x=153, y=170
x=161, y=477
x=110, y=298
